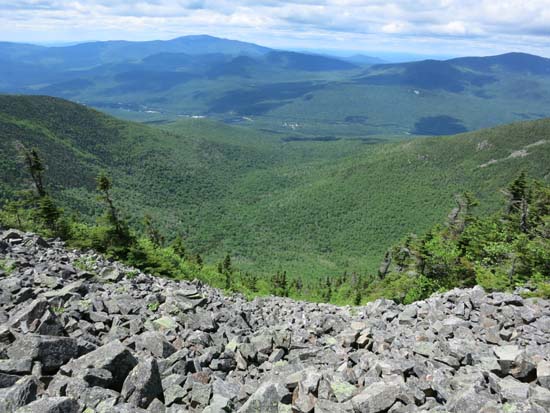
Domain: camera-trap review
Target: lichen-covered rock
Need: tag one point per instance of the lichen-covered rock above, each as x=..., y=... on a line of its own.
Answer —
x=143, y=384
x=52, y=352
x=113, y=357
x=72, y=336
x=51, y=405
x=377, y=397
x=20, y=394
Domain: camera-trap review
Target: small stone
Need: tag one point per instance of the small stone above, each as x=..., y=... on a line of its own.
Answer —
x=20, y=366
x=156, y=343
x=326, y=406
x=165, y=323
x=507, y=356
x=265, y=399
x=540, y=396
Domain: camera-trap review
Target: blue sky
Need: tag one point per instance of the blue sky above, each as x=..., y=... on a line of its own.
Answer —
x=435, y=27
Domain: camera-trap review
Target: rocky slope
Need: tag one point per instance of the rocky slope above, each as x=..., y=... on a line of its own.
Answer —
x=79, y=333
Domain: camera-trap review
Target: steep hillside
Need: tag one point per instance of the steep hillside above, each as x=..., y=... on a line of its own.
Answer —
x=311, y=207
x=153, y=169
x=343, y=215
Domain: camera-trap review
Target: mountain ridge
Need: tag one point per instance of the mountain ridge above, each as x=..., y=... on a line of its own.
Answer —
x=268, y=89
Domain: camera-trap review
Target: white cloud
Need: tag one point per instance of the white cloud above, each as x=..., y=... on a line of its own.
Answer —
x=472, y=26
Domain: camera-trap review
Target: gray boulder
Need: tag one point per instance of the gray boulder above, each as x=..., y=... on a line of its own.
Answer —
x=266, y=399
x=20, y=394
x=51, y=351
x=143, y=384
x=156, y=343
x=114, y=357
x=543, y=373
x=51, y=405
x=377, y=397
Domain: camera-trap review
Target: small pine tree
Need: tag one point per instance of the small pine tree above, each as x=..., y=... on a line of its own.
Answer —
x=227, y=277
x=284, y=285
x=519, y=187
x=358, y=297
x=199, y=261
x=120, y=239
x=153, y=233
x=328, y=290
x=298, y=284
x=49, y=213
x=179, y=247
x=35, y=168
x=227, y=271
x=275, y=283
x=227, y=264
x=252, y=282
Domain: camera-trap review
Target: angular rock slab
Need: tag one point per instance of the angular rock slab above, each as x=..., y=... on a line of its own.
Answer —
x=22, y=393
x=114, y=357
x=51, y=405
x=143, y=384
x=51, y=351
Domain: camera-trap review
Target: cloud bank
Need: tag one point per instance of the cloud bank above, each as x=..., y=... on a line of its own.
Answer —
x=424, y=26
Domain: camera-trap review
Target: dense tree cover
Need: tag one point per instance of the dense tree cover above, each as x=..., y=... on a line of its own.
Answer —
x=316, y=210
x=502, y=251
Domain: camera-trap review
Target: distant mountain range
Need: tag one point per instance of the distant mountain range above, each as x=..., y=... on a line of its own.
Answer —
x=84, y=55
x=301, y=94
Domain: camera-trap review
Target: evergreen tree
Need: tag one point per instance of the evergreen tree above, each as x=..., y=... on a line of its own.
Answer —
x=227, y=278
x=252, y=282
x=519, y=188
x=227, y=264
x=120, y=240
x=49, y=212
x=519, y=199
x=284, y=285
x=275, y=283
x=34, y=167
x=227, y=271
x=44, y=206
x=179, y=247
x=199, y=260
x=328, y=290
x=153, y=233
x=358, y=297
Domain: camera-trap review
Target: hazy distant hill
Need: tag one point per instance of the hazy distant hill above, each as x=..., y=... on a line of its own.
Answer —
x=364, y=59
x=84, y=55
x=300, y=95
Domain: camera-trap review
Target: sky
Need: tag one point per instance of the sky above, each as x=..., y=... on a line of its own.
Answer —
x=434, y=27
